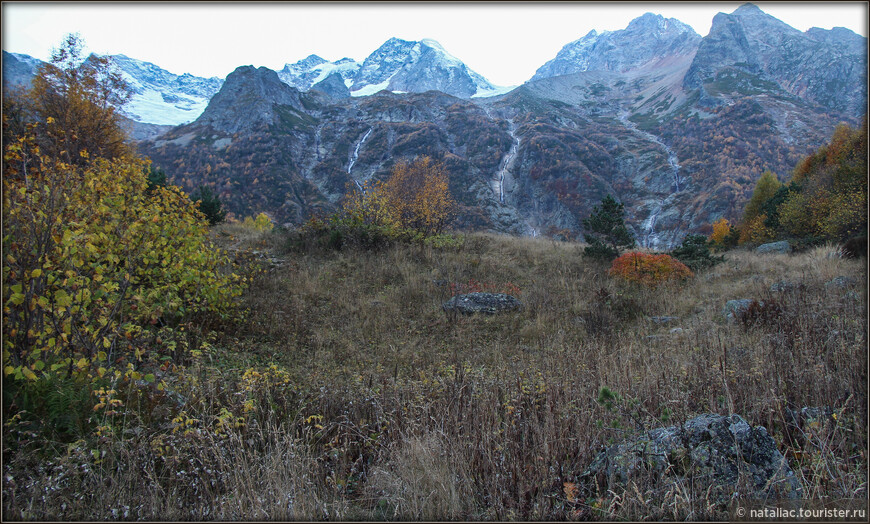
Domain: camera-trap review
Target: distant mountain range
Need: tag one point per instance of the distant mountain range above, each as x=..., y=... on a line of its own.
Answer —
x=676, y=126
x=163, y=98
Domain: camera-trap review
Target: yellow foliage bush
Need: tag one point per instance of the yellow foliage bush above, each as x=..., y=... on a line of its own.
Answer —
x=262, y=223
x=91, y=260
x=415, y=197
x=721, y=229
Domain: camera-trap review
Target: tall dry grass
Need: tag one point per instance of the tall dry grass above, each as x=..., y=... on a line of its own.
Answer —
x=380, y=406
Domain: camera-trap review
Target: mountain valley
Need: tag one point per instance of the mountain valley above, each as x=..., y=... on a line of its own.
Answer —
x=676, y=126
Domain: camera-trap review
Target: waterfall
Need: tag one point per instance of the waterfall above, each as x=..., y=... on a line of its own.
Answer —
x=356, y=150
x=650, y=237
x=498, y=184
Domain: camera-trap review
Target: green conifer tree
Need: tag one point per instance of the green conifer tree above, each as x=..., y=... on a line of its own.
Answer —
x=209, y=204
x=605, y=230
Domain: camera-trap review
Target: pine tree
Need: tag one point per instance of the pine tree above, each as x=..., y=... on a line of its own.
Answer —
x=156, y=177
x=605, y=230
x=209, y=204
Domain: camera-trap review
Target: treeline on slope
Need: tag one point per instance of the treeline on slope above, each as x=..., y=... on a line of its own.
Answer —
x=108, y=272
x=824, y=200
x=729, y=150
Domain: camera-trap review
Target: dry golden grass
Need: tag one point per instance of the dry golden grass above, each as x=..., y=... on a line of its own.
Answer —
x=380, y=406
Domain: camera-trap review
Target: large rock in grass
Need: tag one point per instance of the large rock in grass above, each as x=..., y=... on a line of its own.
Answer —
x=716, y=454
x=735, y=308
x=774, y=247
x=485, y=303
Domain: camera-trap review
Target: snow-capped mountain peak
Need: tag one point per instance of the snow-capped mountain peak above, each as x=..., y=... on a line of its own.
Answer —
x=161, y=97
x=416, y=67
x=397, y=65
x=311, y=70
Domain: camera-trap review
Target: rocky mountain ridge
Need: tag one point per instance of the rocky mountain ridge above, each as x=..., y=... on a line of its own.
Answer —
x=676, y=126
x=647, y=41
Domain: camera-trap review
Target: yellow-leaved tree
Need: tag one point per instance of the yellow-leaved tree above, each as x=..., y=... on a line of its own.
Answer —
x=415, y=197
x=80, y=96
x=721, y=229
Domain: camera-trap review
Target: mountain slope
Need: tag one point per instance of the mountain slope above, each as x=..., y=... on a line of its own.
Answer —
x=646, y=41
x=750, y=51
x=538, y=159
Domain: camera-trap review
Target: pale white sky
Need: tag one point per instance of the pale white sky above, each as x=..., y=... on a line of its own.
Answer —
x=505, y=42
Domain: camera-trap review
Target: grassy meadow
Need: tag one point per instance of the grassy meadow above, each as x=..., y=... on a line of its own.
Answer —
x=348, y=394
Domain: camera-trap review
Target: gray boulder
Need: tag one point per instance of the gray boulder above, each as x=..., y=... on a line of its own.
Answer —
x=785, y=286
x=663, y=320
x=840, y=282
x=734, y=308
x=717, y=454
x=486, y=303
x=774, y=247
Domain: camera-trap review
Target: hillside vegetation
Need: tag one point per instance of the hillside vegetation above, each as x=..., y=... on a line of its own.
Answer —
x=347, y=393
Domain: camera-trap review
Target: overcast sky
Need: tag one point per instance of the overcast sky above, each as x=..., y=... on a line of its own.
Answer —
x=505, y=42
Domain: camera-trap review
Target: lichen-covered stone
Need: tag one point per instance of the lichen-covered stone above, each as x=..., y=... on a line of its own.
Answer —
x=715, y=453
x=734, y=308
x=841, y=282
x=785, y=286
x=774, y=247
x=485, y=303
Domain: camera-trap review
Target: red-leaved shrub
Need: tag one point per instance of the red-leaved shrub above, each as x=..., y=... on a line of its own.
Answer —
x=649, y=270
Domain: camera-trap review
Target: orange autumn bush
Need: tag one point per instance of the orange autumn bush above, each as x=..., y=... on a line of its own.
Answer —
x=649, y=270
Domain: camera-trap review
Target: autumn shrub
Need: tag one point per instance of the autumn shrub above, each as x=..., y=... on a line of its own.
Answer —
x=761, y=312
x=412, y=206
x=261, y=223
x=608, y=311
x=93, y=262
x=649, y=270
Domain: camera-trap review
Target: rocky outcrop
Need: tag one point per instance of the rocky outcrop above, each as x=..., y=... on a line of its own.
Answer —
x=734, y=308
x=719, y=455
x=781, y=247
x=247, y=99
x=841, y=282
x=786, y=286
x=18, y=69
x=334, y=86
x=749, y=51
x=484, y=303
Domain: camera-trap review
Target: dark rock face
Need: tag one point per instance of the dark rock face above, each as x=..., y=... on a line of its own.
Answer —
x=750, y=51
x=710, y=451
x=334, y=86
x=247, y=99
x=485, y=303
x=18, y=70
